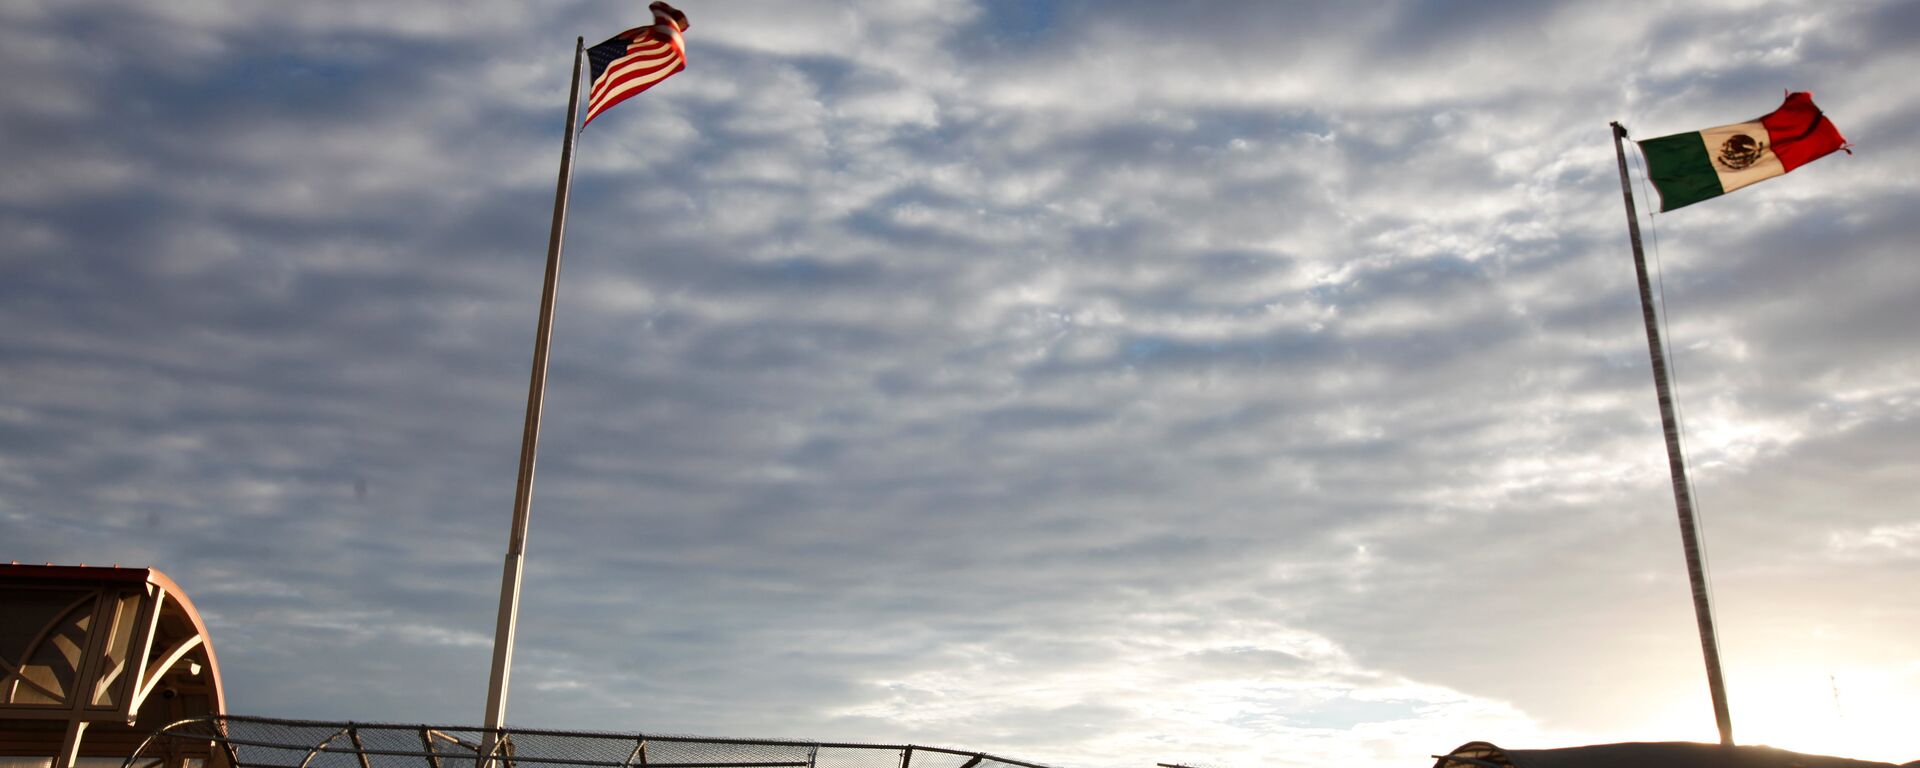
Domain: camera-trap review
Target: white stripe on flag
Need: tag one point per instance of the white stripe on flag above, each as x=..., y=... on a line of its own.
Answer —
x=635, y=84
x=628, y=66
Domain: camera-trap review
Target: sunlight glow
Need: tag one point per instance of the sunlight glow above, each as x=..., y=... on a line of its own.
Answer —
x=1862, y=713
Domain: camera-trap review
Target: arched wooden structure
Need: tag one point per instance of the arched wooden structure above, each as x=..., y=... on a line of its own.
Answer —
x=94, y=659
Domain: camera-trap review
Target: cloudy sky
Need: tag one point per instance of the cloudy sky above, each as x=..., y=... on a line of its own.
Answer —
x=1093, y=383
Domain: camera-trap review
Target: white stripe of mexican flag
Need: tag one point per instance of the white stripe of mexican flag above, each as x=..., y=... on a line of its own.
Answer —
x=1731, y=145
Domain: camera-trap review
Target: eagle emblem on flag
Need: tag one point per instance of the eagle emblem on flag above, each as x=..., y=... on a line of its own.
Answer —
x=1741, y=152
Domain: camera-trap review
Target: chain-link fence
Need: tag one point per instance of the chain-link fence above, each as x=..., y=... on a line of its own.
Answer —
x=235, y=741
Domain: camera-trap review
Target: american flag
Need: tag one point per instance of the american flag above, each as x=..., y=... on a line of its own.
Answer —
x=636, y=59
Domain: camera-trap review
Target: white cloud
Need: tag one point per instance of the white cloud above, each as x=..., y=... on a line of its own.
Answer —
x=1262, y=385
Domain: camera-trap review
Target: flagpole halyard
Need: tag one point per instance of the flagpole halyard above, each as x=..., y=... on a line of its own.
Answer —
x=1676, y=464
x=515, y=564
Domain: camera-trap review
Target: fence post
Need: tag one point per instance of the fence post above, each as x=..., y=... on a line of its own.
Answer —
x=359, y=749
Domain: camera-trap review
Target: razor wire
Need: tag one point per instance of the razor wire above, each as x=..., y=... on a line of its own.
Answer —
x=239, y=741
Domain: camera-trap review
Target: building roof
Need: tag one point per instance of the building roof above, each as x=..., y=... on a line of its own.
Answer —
x=1670, y=754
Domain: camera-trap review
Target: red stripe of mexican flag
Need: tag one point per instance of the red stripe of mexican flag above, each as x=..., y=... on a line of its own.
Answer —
x=1687, y=168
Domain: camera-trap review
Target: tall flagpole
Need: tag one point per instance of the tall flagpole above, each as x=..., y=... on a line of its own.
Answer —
x=530, y=436
x=1682, y=495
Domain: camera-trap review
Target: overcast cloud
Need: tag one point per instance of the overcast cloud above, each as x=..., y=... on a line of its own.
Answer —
x=1101, y=384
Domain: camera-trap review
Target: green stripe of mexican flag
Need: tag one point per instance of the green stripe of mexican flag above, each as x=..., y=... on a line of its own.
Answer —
x=1687, y=168
x=1684, y=172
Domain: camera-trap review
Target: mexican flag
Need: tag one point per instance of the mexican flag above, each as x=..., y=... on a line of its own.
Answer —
x=1690, y=167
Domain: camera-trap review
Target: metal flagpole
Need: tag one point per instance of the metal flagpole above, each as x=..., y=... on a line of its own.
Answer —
x=530, y=436
x=1682, y=493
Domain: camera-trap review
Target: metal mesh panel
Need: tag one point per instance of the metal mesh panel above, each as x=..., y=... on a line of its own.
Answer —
x=264, y=745
x=449, y=746
x=395, y=748
x=546, y=750
x=926, y=758
x=859, y=757
x=727, y=753
x=252, y=742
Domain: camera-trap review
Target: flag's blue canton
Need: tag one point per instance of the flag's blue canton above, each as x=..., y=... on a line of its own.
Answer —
x=605, y=53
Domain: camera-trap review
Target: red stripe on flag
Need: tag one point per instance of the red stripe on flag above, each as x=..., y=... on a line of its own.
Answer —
x=1800, y=132
x=649, y=60
x=625, y=67
x=631, y=87
x=645, y=45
